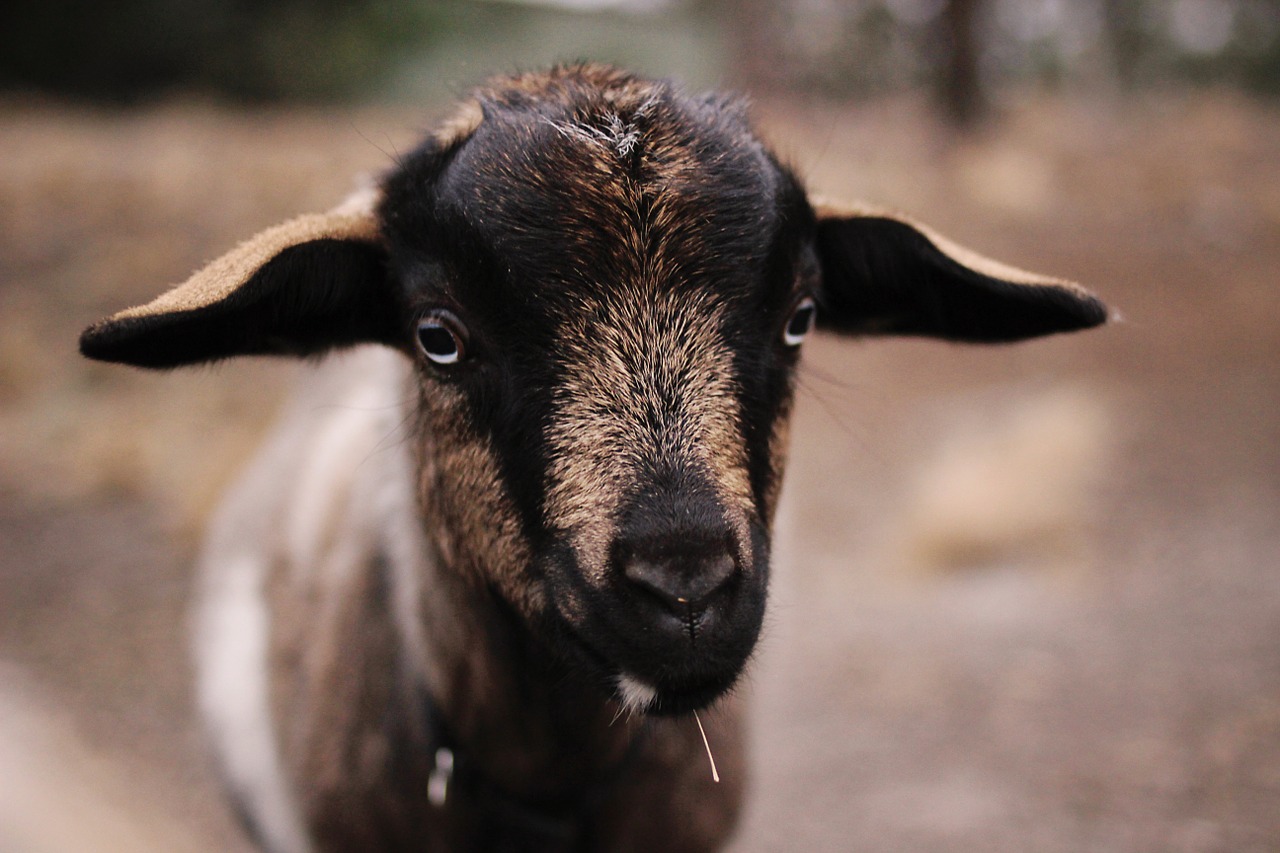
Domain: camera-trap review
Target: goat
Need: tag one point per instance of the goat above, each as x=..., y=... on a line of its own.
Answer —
x=473, y=588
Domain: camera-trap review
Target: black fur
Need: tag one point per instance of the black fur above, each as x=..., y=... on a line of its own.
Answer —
x=881, y=276
x=583, y=194
x=582, y=188
x=306, y=300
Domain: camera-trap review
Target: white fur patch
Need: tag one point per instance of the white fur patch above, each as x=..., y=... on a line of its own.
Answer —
x=232, y=628
x=345, y=435
x=636, y=696
x=408, y=553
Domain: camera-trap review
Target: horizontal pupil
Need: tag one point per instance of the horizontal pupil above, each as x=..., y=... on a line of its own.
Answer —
x=437, y=340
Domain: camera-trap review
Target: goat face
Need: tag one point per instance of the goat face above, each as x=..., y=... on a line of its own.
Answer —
x=604, y=285
x=611, y=284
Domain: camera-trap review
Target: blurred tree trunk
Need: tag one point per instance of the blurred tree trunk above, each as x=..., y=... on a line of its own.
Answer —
x=957, y=73
x=754, y=30
x=1126, y=39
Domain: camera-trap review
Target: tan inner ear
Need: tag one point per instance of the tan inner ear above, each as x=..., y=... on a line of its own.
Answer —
x=352, y=220
x=831, y=209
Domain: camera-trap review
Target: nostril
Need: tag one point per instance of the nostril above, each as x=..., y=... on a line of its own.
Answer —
x=681, y=581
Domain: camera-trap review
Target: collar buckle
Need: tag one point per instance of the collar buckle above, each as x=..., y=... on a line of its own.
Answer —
x=441, y=776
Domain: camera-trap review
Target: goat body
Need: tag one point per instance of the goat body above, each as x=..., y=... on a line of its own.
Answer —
x=471, y=590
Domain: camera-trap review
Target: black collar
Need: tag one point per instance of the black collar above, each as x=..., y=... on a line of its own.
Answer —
x=507, y=821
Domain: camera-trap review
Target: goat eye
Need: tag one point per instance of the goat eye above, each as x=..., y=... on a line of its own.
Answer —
x=800, y=323
x=441, y=338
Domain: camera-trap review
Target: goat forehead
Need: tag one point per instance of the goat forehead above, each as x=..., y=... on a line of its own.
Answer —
x=597, y=196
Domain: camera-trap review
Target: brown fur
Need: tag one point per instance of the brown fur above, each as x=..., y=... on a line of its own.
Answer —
x=471, y=519
x=616, y=381
x=966, y=257
x=351, y=220
x=414, y=589
x=344, y=721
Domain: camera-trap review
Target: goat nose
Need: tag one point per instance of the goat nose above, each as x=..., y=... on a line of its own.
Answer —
x=682, y=580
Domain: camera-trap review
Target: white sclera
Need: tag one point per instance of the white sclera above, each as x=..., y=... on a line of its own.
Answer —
x=439, y=356
x=805, y=312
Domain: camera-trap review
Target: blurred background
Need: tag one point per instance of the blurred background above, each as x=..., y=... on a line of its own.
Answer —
x=1027, y=598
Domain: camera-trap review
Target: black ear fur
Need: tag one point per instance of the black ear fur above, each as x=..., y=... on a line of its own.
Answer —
x=883, y=275
x=309, y=298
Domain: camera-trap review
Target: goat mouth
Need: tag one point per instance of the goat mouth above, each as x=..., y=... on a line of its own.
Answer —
x=670, y=702
x=639, y=690
x=644, y=654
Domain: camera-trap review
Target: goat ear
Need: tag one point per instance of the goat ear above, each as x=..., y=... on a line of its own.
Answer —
x=883, y=274
x=300, y=288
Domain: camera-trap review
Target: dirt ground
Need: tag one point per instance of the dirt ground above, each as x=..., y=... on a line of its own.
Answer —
x=1027, y=597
